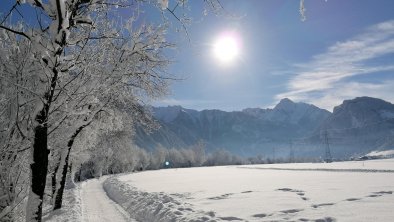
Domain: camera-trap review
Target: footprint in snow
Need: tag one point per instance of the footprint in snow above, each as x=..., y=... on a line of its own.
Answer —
x=211, y=214
x=300, y=193
x=178, y=213
x=221, y=197
x=290, y=190
x=380, y=193
x=322, y=205
x=353, y=199
x=231, y=218
x=291, y=211
x=384, y=192
x=259, y=215
x=326, y=219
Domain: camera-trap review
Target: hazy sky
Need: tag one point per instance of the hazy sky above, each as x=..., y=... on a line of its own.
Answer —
x=343, y=50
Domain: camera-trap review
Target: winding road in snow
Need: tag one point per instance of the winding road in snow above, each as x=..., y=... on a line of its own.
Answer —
x=97, y=206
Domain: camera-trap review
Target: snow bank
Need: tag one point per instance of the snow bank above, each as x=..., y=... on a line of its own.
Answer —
x=97, y=206
x=383, y=154
x=144, y=206
x=71, y=210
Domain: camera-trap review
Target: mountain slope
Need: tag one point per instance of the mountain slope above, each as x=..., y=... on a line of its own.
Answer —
x=361, y=124
x=356, y=126
x=250, y=131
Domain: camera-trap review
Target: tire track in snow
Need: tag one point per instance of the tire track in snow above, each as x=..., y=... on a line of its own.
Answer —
x=97, y=206
x=321, y=169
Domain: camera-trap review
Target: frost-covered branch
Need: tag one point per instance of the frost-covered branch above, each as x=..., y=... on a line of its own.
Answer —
x=15, y=31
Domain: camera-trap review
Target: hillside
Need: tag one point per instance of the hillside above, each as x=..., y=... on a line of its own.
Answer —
x=355, y=126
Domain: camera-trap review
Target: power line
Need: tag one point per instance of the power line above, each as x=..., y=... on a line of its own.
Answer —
x=328, y=157
x=335, y=130
x=291, y=157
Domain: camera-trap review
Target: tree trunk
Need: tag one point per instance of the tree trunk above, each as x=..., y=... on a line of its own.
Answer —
x=40, y=153
x=54, y=175
x=60, y=190
x=38, y=169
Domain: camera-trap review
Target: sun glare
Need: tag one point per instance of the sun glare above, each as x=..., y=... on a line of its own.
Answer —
x=226, y=48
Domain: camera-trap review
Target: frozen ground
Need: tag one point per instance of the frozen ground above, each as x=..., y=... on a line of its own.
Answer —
x=345, y=191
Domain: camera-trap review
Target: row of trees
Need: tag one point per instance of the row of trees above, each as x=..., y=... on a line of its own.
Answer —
x=75, y=75
x=112, y=159
x=67, y=68
x=119, y=155
x=78, y=67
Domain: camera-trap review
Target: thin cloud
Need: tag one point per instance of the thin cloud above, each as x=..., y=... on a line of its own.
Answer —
x=348, y=90
x=326, y=77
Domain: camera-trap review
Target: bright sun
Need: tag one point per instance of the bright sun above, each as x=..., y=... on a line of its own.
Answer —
x=226, y=48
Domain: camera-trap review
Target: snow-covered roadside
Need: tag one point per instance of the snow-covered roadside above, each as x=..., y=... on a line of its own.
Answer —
x=88, y=202
x=153, y=207
x=71, y=210
x=97, y=206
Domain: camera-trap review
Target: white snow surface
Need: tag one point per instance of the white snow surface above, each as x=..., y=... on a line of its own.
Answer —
x=88, y=202
x=384, y=153
x=97, y=206
x=343, y=191
x=71, y=210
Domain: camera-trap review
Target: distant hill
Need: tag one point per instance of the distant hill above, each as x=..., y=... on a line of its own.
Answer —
x=360, y=125
x=356, y=126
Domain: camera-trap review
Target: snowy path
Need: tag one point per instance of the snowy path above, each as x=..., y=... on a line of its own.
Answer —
x=97, y=206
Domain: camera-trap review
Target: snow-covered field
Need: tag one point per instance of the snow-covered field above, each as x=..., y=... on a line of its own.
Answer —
x=344, y=191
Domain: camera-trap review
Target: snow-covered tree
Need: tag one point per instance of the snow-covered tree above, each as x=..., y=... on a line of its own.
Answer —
x=82, y=62
x=76, y=63
x=15, y=103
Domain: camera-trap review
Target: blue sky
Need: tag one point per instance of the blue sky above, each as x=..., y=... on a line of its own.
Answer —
x=343, y=50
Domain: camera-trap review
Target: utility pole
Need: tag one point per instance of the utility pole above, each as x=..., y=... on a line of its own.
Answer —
x=291, y=158
x=328, y=157
x=273, y=154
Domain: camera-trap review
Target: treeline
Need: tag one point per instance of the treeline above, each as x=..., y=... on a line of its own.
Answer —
x=132, y=158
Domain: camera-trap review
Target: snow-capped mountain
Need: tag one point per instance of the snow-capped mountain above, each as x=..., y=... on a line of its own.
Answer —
x=360, y=112
x=287, y=111
x=360, y=125
x=356, y=126
x=249, y=131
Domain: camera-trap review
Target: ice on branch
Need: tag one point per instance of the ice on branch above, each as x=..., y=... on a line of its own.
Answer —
x=302, y=10
x=163, y=4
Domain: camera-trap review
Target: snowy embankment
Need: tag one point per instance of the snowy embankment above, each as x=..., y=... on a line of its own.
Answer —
x=345, y=191
x=381, y=154
x=88, y=202
x=71, y=210
x=145, y=206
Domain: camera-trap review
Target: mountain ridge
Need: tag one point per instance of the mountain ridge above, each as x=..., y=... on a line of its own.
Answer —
x=269, y=131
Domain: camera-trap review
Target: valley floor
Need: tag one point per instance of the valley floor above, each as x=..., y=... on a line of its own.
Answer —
x=345, y=191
